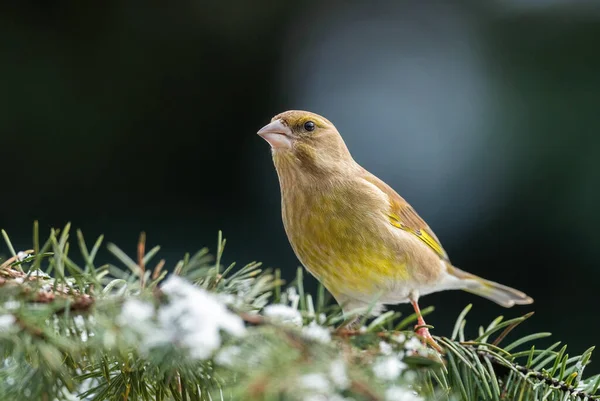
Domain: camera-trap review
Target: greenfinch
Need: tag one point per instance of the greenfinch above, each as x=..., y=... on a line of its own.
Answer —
x=353, y=232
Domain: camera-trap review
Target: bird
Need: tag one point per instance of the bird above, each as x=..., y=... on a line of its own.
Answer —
x=354, y=233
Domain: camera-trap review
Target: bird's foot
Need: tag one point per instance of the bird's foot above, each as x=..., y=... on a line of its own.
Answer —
x=423, y=332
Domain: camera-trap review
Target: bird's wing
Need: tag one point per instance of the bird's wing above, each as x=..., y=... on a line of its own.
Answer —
x=403, y=216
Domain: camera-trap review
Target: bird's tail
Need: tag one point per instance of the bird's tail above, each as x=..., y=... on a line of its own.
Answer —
x=501, y=294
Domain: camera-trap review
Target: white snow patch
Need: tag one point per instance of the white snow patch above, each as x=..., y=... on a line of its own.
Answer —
x=11, y=305
x=79, y=322
x=226, y=298
x=283, y=314
x=338, y=374
x=315, y=382
x=227, y=355
x=135, y=313
x=399, y=338
x=321, y=318
x=410, y=376
x=317, y=333
x=21, y=256
x=385, y=348
x=230, y=300
x=388, y=368
x=80, y=325
x=323, y=397
x=6, y=322
x=413, y=344
x=38, y=273
x=293, y=297
x=192, y=318
x=396, y=393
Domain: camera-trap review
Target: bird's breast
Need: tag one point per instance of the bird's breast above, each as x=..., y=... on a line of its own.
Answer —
x=339, y=236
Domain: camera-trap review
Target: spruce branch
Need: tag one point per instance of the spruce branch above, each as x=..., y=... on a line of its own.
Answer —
x=210, y=331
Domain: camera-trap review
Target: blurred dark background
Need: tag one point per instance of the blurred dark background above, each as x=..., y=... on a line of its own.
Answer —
x=126, y=118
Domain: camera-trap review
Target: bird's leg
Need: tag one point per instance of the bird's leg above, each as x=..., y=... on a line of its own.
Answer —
x=422, y=330
x=349, y=308
x=350, y=325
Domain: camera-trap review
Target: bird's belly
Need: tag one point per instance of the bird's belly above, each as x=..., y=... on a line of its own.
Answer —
x=361, y=269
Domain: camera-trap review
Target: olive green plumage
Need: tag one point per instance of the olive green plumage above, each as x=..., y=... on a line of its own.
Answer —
x=352, y=231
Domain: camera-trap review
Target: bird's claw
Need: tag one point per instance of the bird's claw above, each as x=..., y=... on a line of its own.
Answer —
x=423, y=332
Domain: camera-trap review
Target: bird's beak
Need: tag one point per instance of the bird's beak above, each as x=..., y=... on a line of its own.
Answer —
x=277, y=134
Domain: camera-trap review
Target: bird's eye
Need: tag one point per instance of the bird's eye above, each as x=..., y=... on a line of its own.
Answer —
x=309, y=126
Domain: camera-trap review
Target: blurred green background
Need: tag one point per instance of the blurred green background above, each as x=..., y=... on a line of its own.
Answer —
x=142, y=116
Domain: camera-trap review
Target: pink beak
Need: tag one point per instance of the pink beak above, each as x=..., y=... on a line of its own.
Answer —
x=277, y=134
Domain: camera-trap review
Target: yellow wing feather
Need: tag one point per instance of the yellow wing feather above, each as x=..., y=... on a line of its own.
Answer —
x=404, y=217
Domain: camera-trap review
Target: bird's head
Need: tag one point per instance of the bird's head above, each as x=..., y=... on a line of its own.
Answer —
x=308, y=139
